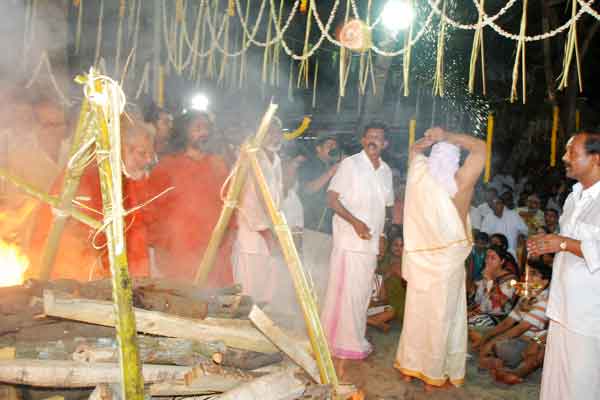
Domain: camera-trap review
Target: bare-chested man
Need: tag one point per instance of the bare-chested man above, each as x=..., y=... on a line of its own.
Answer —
x=437, y=240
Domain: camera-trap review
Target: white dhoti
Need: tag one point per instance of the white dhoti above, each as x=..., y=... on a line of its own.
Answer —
x=571, y=365
x=255, y=273
x=433, y=343
x=344, y=316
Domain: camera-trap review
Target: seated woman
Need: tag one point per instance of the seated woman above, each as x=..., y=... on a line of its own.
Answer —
x=494, y=295
x=515, y=347
x=394, y=286
x=512, y=265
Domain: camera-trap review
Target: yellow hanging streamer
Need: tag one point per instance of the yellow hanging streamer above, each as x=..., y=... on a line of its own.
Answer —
x=298, y=131
x=520, y=57
x=438, y=80
x=406, y=59
x=571, y=47
x=555, y=112
x=231, y=8
x=490, y=138
x=477, y=50
x=314, y=94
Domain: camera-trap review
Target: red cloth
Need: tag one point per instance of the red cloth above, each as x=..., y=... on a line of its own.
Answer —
x=76, y=257
x=183, y=219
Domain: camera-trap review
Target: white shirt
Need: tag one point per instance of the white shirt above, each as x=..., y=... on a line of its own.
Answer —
x=478, y=213
x=575, y=288
x=252, y=213
x=510, y=225
x=365, y=192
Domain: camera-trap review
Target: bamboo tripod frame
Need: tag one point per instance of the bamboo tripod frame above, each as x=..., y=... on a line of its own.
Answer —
x=93, y=124
x=304, y=294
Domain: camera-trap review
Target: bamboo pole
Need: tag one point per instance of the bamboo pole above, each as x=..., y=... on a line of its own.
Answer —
x=577, y=120
x=233, y=193
x=489, y=140
x=109, y=166
x=69, y=190
x=46, y=198
x=555, y=114
x=303, y=292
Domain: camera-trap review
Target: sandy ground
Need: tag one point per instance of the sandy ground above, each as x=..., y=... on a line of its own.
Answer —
x=380, y=381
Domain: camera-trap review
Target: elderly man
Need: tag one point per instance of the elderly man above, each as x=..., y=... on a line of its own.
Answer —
x=183, y=219
x=572, y=361
x=78, y=256
x=359, y=194
x=255, y=252
x=437, y=234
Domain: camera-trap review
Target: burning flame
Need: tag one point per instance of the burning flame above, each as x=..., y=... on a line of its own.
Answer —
x=13, y=264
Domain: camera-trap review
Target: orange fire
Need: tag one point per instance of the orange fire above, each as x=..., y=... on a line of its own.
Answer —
x=13, y=264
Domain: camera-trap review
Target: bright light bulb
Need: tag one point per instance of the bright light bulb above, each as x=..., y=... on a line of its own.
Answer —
x=397, y=15
x=199, y=103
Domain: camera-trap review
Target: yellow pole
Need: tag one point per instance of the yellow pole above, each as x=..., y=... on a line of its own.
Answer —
x=303, y=291
x=555, y=111
x=490, y=138
x=412, y=128
x=577, y=120
x=109, y=168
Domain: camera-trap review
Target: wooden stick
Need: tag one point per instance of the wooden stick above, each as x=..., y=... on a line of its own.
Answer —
x=295, y=350
x=303, y=291
x=235, y=333
x=233, y=193
x=72, y=374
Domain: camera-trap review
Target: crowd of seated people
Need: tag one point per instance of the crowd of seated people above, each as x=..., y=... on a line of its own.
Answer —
x=507, y=330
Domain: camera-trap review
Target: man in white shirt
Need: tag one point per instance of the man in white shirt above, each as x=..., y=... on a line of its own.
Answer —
x=359, y=194
x=572, y=361
x=478, y=213
x=506, y=222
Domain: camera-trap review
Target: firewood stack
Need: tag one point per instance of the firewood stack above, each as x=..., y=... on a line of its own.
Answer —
x=193, y=343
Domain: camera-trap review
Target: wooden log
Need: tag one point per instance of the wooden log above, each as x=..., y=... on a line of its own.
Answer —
x=280, y=385
x=294, y=349
x=73, y=374
x=235, y=333
x=244, y=359
x=153, y=350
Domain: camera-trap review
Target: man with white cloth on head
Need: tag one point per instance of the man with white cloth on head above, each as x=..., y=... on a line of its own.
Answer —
x=572, y=360
x=360, y=194
x=437, y=240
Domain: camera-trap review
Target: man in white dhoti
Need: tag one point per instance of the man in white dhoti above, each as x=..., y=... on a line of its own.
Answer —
x=358, y=194
x=572, y=360
x=254, y=250
x=437, y=240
